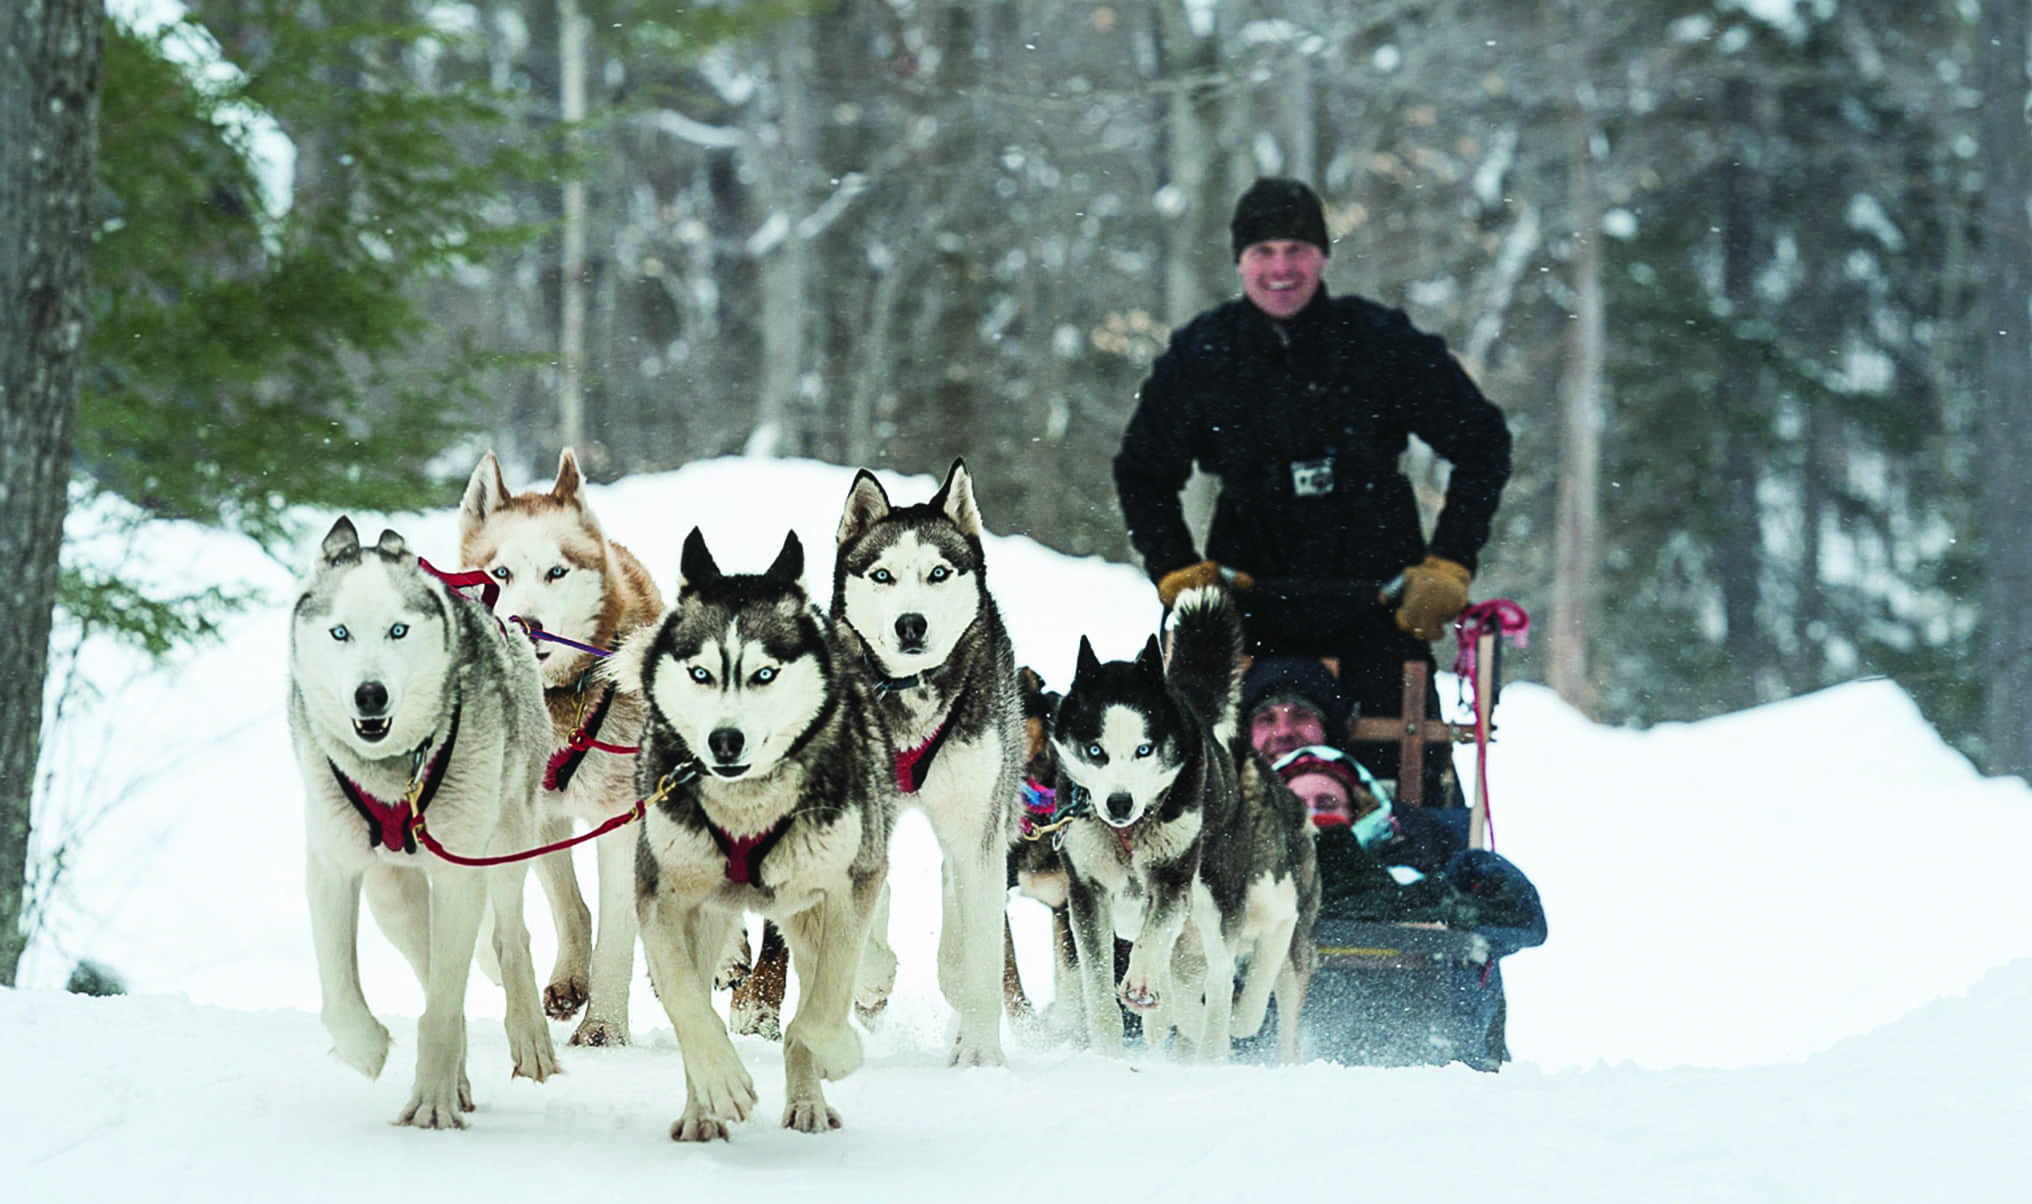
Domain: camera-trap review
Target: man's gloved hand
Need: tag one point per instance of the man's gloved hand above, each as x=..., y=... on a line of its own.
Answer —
x=1206, y=572
x=1435, y=593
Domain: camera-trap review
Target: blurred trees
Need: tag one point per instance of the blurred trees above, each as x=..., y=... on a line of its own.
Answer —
x=1725, y=270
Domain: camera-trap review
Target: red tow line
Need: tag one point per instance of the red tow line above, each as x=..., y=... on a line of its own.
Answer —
x=581, y=740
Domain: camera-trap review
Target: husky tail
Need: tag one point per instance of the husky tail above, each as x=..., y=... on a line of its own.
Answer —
x=1203, y=664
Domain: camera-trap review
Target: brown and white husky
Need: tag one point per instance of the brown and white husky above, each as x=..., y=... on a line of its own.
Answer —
x=562, y=577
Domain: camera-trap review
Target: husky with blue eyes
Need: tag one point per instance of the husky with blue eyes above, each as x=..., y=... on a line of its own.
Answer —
x=1181, y=842
x=577, y=593
x=767, y=771
x=416, y=720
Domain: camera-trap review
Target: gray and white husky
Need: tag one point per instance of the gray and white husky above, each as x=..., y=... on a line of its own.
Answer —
x=910, y=586
x=768, y=773
x=1185, y=846
x=410, y=706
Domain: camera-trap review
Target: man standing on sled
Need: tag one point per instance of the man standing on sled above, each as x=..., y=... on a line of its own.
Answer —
x=1303, y=404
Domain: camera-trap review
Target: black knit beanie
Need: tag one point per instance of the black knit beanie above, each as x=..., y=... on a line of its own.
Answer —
x=1279, y=208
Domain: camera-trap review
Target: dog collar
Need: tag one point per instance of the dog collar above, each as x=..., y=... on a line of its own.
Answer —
x=393, y=825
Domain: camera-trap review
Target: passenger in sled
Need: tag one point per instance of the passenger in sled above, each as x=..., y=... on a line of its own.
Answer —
x=1302, y=405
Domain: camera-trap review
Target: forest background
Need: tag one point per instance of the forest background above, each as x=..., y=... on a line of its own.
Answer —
x=1748, y=277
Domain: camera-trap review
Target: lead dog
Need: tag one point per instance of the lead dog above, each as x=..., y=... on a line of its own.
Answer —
x=910, y=588
x=768, y=772
x=560, y=575
x=1198, y=865
x=408, y=703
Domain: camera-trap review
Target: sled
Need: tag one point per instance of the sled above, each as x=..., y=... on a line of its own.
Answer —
x=1404, y=994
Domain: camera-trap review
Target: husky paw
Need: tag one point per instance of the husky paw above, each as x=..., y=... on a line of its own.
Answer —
x=360, y=1042
x=437, y=1107
x=1139, y=997
x=721, y=1090
x=600, y=1033
x=969, y=1052
x=734, y=970
x=835, y=1053
x=810, y=1116
x=755, y=1018
x=535, y=1057
x=563, y=999
x=693, y=1126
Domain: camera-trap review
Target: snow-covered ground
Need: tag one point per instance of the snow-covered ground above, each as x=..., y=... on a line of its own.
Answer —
x=1787, y=962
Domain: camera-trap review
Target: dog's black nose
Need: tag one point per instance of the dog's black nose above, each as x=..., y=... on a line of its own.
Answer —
x=1119, y=807
x=370, y=698
x=726, y=743
x=910, y=629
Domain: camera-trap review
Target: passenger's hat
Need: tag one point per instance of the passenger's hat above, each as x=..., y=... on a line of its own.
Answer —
x=1276, y=208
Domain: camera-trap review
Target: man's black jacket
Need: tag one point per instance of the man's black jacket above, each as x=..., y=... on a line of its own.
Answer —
x=1345, y=379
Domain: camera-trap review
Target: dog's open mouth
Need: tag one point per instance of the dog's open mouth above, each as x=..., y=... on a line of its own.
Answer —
x=730, y=771
x=371, y=730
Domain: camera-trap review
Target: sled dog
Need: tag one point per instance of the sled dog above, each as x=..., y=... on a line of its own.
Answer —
x=1035, y=868
x=409, y=705
x=1197, y=863
x=768, y=774
x=910, y=589
x=560, y=575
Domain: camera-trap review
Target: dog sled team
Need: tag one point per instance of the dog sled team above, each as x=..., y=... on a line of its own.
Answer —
x=448, y=723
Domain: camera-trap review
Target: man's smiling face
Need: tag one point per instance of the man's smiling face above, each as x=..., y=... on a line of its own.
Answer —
x=1280, y=275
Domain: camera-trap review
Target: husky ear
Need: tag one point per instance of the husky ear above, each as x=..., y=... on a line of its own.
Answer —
x=1151, y=659
x=625, y=667
x=1088, y=664
x=391, y=546
x=342, y=542
x=695, y=564
x=866, y=504
x=485, y=492
x=956, y=499
x=789, y=566
x=570, y=481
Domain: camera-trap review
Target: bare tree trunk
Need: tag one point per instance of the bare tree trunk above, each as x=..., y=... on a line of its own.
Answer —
x=571, y=334
x=781, y=249
x=1739, y=543
x=1576, y=526
x=52, y=54
x=2006, y=388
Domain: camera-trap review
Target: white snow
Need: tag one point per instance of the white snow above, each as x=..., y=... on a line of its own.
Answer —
x=1787, y=962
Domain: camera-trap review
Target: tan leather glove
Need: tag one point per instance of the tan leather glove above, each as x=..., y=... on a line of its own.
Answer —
x=1435, y=593
x=1192, y=576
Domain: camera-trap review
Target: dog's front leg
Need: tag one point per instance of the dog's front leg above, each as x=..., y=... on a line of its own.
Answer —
x=1093, y=936
x=457, y=899
x=818, y=1043
x=969, y=952
x=528, y=1036
x=606, y=1021
x=568, y=987
x=358, y=1039
x=682, y=942
x=1148, y=974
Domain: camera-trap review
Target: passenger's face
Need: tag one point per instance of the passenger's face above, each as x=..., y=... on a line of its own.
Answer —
x=1280, y=275
x=1325, y=799
x=1276, y=728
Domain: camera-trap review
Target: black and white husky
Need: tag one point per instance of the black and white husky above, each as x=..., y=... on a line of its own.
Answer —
x=1181, y=846
x=768, y=775
x=412, y=710
x=910, y=589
